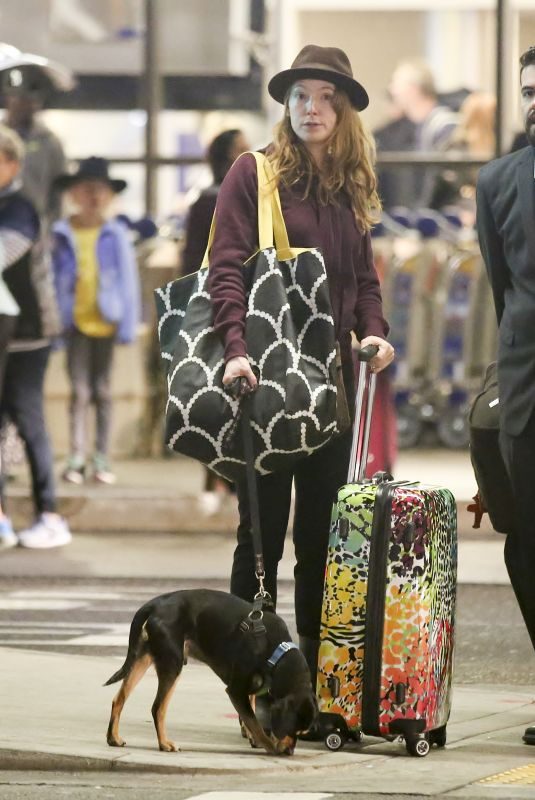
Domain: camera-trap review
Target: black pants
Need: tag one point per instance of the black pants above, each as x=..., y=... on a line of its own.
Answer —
x=22, y=402
x=317, y=480
x=519, y=456
x=89, y=362
x=7, y=328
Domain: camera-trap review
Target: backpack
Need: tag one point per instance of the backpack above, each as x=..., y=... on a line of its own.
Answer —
x=495, y=493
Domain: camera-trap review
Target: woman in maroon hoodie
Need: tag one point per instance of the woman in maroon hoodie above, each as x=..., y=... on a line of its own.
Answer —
x=323, y=161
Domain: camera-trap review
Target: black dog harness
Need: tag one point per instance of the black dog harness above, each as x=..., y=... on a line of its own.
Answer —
x=253, y=627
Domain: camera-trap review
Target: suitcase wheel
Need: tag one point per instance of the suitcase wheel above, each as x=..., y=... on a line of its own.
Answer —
x=335, y=740
x=418, y=746
x=438, y=736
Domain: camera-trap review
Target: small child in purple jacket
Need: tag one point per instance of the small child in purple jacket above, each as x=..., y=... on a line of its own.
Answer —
x=97, y=287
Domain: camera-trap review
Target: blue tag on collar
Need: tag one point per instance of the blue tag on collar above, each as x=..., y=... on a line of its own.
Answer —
x=280, y=651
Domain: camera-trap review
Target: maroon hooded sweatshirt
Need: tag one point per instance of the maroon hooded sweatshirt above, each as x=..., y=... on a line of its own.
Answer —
x=352, y=277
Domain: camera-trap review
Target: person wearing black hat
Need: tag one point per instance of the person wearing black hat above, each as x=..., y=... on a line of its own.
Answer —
x=24, y=90
x=323, y=162
x=98, y=293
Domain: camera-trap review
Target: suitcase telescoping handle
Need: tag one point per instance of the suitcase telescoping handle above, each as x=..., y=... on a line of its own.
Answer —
x=363, y=415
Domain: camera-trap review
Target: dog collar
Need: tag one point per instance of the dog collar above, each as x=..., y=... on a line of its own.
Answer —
x=280, y=651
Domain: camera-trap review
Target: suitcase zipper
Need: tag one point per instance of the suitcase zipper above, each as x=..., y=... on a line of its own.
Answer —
x=375, y=607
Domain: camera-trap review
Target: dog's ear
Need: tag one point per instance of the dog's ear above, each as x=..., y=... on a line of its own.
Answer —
x=283, y=717
x=257, y=681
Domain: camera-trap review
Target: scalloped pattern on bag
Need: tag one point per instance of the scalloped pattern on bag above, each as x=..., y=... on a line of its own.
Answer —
x=290, y=339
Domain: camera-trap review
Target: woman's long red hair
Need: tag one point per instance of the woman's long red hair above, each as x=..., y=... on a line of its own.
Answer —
x=349, y=164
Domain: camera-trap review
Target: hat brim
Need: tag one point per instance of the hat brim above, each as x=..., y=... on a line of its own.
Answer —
x=63, y=182
x=282, y=81
x=61, y=77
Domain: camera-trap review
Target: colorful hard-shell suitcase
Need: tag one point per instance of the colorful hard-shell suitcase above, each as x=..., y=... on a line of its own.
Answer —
x=387, y=628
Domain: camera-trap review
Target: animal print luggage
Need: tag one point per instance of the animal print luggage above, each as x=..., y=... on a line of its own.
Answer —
x=387, y=628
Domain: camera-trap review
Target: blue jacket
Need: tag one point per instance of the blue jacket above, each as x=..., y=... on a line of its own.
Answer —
x=118, y=295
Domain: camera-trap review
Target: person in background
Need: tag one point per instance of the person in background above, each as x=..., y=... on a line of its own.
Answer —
x=323, y=163
x=30, y=295
x=475, y=136
x=97, y=286
x=9, y=309
x=397, y=135
x=24, y=92
x=505, y=214
x=221, y=154
x=413, y=90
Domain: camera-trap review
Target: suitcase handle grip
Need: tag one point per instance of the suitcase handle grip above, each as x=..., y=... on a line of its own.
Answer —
x=368, y=352
x=363, y=415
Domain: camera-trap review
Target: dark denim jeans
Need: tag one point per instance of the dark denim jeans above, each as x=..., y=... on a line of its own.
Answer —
x=22, y=402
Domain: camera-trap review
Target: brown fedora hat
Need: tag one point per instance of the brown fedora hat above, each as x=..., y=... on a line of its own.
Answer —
x=315, y=62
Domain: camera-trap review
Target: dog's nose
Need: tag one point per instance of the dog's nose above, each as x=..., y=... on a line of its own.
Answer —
x=286, y=746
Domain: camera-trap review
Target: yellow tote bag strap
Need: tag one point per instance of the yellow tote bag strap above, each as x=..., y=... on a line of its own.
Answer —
x=209, y=244
x=271, y=225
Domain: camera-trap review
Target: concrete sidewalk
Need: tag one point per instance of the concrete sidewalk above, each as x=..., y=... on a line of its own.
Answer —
x=55, y=710
x=483, y=735
x=162, y=494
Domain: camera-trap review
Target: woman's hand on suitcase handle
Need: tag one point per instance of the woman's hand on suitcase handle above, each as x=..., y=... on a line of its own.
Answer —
x=237, y=368
x=385, y=352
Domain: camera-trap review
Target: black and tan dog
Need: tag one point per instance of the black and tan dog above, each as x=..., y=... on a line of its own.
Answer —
x=217, y=628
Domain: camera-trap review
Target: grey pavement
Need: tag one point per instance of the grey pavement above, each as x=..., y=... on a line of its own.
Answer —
x=54, y=709
x=159, y=496
x=55, y=712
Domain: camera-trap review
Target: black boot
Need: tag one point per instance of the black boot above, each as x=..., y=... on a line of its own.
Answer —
x=310, y=647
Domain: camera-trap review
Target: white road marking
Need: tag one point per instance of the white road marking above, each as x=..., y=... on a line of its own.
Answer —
x=66, y=595
x=99, y=640
x=29, y=604
x=55, y=625
x=64, y=633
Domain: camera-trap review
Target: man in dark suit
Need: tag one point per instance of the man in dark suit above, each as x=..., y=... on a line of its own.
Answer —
x=506, y=228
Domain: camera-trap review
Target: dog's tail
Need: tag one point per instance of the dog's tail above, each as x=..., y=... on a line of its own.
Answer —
x=136, y=643
x=120, y=674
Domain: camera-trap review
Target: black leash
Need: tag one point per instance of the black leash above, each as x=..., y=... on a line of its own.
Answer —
x=240, y=389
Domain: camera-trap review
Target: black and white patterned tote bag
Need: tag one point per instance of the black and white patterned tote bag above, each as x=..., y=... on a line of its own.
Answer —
x=289, y=332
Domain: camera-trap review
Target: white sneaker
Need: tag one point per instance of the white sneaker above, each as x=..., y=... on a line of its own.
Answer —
x=7, y=535
x=210, y=503
x=49, y=530
x=101, y=470
x=74, y=471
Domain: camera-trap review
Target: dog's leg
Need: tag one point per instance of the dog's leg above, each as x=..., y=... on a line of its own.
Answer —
x=128, y=685
x=166, y=684
x=257, y=735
